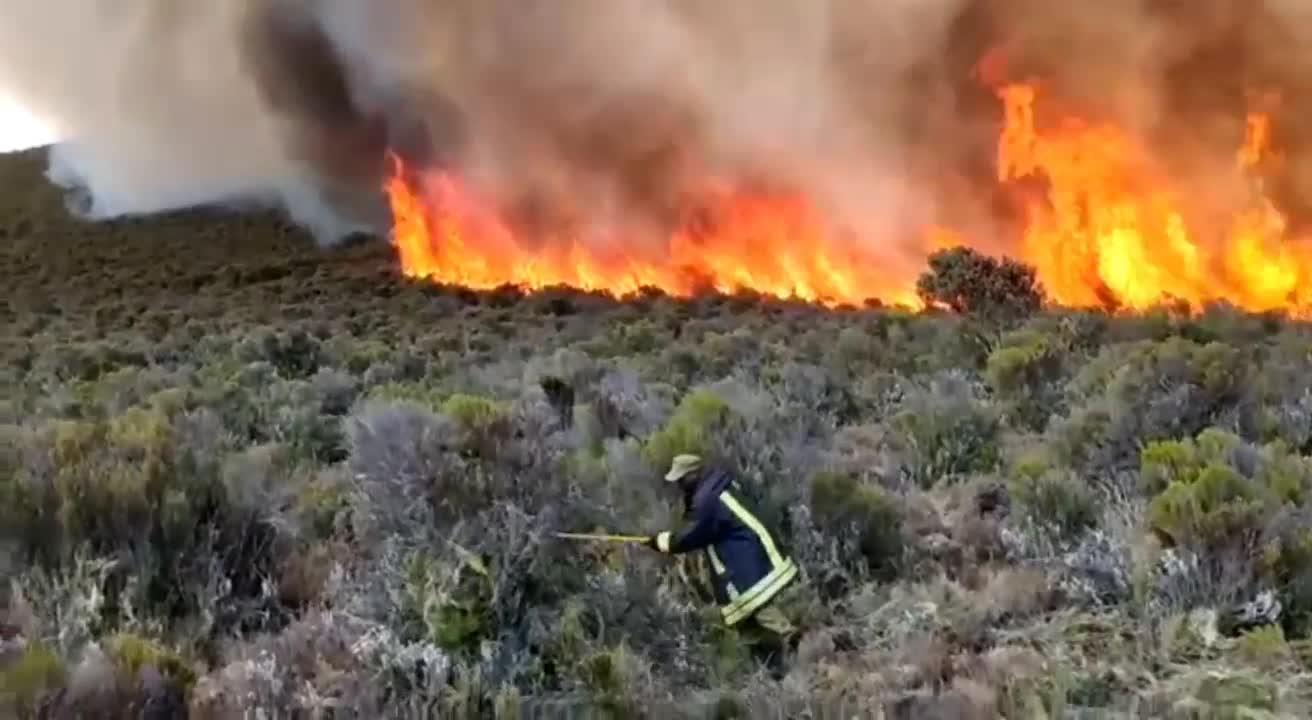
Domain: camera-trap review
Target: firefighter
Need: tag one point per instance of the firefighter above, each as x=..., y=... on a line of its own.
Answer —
x=748, y=570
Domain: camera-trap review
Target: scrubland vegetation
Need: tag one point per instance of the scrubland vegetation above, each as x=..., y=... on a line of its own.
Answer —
x=238, y=473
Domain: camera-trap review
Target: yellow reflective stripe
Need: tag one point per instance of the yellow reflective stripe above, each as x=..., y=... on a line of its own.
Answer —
x=719, y=570
x=715, y=560
x=764, y=591
x=759, y=594
x=750, y=521
x=663, y=542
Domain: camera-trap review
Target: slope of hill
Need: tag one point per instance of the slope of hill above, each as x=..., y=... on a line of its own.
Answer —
x=238, y=472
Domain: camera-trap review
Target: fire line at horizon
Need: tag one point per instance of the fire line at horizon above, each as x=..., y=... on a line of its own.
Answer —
x=1108, y=231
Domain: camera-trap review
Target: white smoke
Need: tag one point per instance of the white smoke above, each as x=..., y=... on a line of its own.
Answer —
x=152, y=107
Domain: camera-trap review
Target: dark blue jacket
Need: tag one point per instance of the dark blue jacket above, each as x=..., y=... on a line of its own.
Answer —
x=747, y=567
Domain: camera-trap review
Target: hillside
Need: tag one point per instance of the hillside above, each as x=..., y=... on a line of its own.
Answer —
x=240, y=472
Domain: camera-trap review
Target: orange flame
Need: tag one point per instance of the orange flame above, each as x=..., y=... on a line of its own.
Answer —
x=1112, y=231
x=773, y=244
x=1109, y=231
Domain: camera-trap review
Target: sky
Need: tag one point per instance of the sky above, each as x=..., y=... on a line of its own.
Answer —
x=19, y=130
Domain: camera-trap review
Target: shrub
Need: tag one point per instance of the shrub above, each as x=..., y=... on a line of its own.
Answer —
x=1053, y=498
x=132, y=652
x=36, y=672
x=353, y=664
x=451, y=601
x=421, y=393
x=1223, y=322
x=403, y=456
x=146, y=488
x=842, y=504
x=626, y=407
x=1023, y=371
x=942, y=433
x=295, y=354
x=1214, y=488
x=1237, y=695
x=323, y=505
x=1264, y=646
x=1209, y=512
x=854, y=350
x=689, y=429
x=472, y=413
x=1277, y=402
x=965, y=281
x=485, y=428
x=1230, y=502
x=1130, y=396
x=614, y=677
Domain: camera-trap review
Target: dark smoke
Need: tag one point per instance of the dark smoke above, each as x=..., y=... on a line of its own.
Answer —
x=617, y=114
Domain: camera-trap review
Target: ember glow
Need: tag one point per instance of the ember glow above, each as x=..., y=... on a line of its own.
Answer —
x=1108, y=230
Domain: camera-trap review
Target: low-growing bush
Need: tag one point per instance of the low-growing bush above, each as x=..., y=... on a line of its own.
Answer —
x=131, y=653
x=942, y=433
x=689, y=429
x=28, y=678
x=1215, y=489
x=842, y=504
x=1053, y=498
x=137, y=488
x=1024, y=372
x=1148, y=391
x=284, y=482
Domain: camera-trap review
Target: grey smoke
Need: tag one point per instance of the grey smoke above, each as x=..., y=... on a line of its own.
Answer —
x=615, y=111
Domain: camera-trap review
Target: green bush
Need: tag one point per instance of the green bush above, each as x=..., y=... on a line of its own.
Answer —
x=423, y=393
x=323, y=504
x=132, y=652
x=1211, y=490
x=28, y=678
x=841, y=502
x=1237, y=696
x=1023, y=359
x=1135, y=394
x=1208, y=513
x=610, y=677
x=1264, y=646
x=688, y=430
x=473, y=413
x=1052, y=497
x=450, y=601
x=142, y=488
x=294, y=353
x=1023, y=371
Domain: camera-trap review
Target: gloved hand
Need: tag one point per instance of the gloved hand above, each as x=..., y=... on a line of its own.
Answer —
x=654, y=542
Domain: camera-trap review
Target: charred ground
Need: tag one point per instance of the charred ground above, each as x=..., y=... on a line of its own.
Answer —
x=239, y=471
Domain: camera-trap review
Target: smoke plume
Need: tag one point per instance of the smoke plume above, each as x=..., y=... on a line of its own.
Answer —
x=619, y=111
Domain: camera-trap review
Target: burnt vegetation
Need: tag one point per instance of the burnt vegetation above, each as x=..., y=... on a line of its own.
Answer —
x=238, y=473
